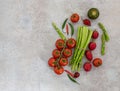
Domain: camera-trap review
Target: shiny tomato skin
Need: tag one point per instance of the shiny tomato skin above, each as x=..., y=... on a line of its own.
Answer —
x=63, y=61
x=51, y=62
x=97, y=62
x=67, y=52
x=60, y=44
x=58, y=70
x=74, y=18
x=71, y=43
x=56, y=53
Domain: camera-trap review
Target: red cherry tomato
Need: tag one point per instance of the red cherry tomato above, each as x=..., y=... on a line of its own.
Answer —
x=67, y=52
x=56, y=53
x=74, y=18
x=63, y=61
x=71, y=43
x=52, y=62
x=60, y=43
x=58, y=70
x=97, y=62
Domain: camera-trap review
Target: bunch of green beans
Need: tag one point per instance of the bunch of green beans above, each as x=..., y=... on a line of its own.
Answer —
x=83, y=38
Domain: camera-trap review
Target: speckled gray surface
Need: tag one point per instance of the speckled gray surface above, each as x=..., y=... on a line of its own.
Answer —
x=27, y=39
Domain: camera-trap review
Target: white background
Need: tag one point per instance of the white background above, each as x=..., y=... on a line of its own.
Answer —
x=27, y=40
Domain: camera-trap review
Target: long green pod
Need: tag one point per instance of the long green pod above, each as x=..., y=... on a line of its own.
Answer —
x=104, y=31
x=73, y=80
x=63, y=25
x=103, y=44
x=58, y=31
x=72, y=29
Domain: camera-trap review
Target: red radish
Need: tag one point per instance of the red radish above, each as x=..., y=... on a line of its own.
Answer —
x=76, y=74
x=89, y=55
x=95, y=34
x=92, y=45
x=87, y=66
x=87, y=22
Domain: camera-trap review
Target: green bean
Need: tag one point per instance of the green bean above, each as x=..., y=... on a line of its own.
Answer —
x=58, y=31
x=104, y=31
x=103, y=44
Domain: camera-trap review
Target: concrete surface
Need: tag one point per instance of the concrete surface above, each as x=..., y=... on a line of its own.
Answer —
x=27, y=40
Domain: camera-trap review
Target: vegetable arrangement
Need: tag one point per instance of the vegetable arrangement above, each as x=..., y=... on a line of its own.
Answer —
x=71, y=51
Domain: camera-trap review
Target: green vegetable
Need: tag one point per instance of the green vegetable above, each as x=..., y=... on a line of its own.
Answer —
x=72, y=29
x=104, y=31
x=72, y=79
x=103, y=44
x=83, y=38
x=93, y=13
x=58, y=31
x=104, y=38
x=63, y=25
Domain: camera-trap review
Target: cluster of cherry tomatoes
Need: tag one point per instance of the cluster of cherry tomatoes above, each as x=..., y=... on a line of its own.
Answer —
x=60, y=54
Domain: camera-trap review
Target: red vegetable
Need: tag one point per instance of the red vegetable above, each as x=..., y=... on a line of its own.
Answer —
x=68, y=72
x=92, y=45
x=87, y=66
x=63, y=61
x=97, y=62
x=95, y=34
x=76, y=74
x=74, y=18
x=52, y=62
x=58, y=70
x=67, y=52
x=89, y=55
x=56, y=53
x=60, y=44
x=67, y=29
x=71, y=43
x=87, y=22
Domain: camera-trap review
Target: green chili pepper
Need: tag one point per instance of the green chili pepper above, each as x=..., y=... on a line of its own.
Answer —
x=72, y=29
x=63, y=25
x=104, y=31
x=72, y=79
x=58, y=31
